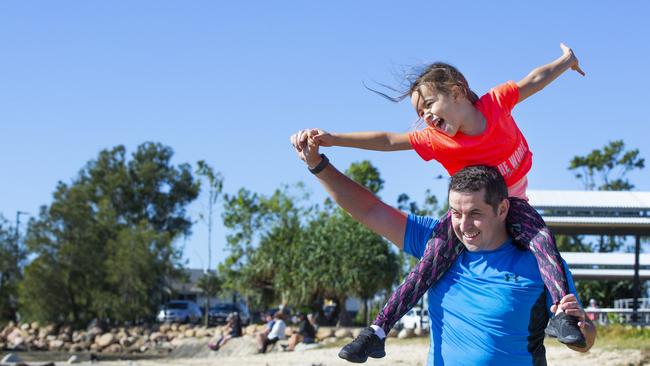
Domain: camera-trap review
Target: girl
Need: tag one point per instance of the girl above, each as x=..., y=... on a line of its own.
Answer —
x=462, y=130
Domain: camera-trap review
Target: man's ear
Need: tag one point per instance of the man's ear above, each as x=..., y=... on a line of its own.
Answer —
x=504, y=206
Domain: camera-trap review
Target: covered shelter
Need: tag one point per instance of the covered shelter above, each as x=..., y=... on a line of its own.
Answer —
x=621, y=213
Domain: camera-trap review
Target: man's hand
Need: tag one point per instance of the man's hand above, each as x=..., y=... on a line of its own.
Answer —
x=306, y=148
x=570, y=305
x=567, y=52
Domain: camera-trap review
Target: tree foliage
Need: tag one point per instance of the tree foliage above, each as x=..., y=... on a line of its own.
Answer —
x=606, y=169
x=104, y=246
x=284, y=250
x=12, y=255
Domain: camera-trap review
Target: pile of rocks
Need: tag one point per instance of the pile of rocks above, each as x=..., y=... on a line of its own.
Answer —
x=155, y=339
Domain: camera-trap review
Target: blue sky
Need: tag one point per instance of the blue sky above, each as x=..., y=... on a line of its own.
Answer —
x=228, y=82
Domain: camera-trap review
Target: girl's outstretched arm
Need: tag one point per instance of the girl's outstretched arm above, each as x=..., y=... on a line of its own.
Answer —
x=381, y=141
x=543, y=75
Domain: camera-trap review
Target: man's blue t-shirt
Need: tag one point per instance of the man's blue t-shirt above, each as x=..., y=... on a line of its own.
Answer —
x=490, y=307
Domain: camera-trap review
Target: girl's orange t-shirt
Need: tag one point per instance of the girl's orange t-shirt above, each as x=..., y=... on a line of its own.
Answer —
x=501, y=145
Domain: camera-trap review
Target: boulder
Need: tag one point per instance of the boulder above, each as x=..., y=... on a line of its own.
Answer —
x=419, y=332
x=113, y=348
x=79, y=347
x=126, y=342
x=324, y=332
x=105, y=340
x=250, y=330
x=201, y=333
x=55, y=345
x=164, y=328
x=24, y=327
x=190, y=333
x=158, y=337
x=343, y=333
x=393, y=333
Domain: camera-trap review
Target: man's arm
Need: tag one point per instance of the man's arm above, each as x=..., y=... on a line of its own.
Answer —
x=571, y=306
x=543, y=75
x=359, y=202
x=379, y=141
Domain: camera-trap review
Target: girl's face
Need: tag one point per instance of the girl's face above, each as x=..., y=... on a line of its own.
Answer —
x=437, y=109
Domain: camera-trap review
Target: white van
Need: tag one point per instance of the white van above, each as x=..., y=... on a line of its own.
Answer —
x=412, y=319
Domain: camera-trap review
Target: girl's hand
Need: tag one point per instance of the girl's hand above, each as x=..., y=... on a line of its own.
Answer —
x=321, y=137
x=574, y=60
x=570, y=305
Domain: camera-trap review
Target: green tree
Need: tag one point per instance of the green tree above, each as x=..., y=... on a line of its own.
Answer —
x=12, y=255
x=104, y=247
x=285, y=250
x=603, y=169
x=606, y=169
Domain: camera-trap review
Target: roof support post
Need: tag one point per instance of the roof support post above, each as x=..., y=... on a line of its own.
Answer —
x=637, y=281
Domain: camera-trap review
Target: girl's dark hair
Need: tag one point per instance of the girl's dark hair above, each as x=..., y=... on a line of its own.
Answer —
x=439, y=75
x=474, y=178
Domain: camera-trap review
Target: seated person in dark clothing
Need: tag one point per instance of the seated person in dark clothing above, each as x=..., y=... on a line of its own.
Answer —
x=306, y=333
x=232, y=330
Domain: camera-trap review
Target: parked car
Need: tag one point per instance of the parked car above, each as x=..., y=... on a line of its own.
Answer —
x=181, y=311
x=412, y=319
x=218, y=313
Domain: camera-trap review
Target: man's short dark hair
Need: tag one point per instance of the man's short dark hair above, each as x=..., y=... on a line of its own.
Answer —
x=477, y=177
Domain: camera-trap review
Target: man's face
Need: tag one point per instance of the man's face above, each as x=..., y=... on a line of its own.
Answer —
x=474, y=221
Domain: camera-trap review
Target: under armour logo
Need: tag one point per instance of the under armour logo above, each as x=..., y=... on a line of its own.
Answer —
x=509, y=276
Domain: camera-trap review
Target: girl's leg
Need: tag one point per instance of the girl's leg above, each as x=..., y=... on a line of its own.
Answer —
x=527, y=228
x=441, y=251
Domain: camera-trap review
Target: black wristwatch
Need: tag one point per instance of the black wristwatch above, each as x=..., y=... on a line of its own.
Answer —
x=322, y=165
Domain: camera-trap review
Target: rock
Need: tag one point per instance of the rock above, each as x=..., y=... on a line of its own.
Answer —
x=65, y=337
x=94, y=347
x=105, y=340
x=343, y=333
x=190, y=333
x=55, y=345
x=174, y=327
x=164, y=328
x=183, y=327
x=39, y=345
x=158, y=337
x=78, y=347
x=393, y=333
x=7, y=330
x=201, y=333
x=35, y=325
x=47, y=330
x=324, y=332
x=113, y=348
x=419, y=332
x=356, y=332
x=126, y=342
x=406, y=333
x=250, y=330
x=24, y=327
x=11, y=358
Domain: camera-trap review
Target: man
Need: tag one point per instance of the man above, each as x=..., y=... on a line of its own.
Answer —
x=490, y=306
